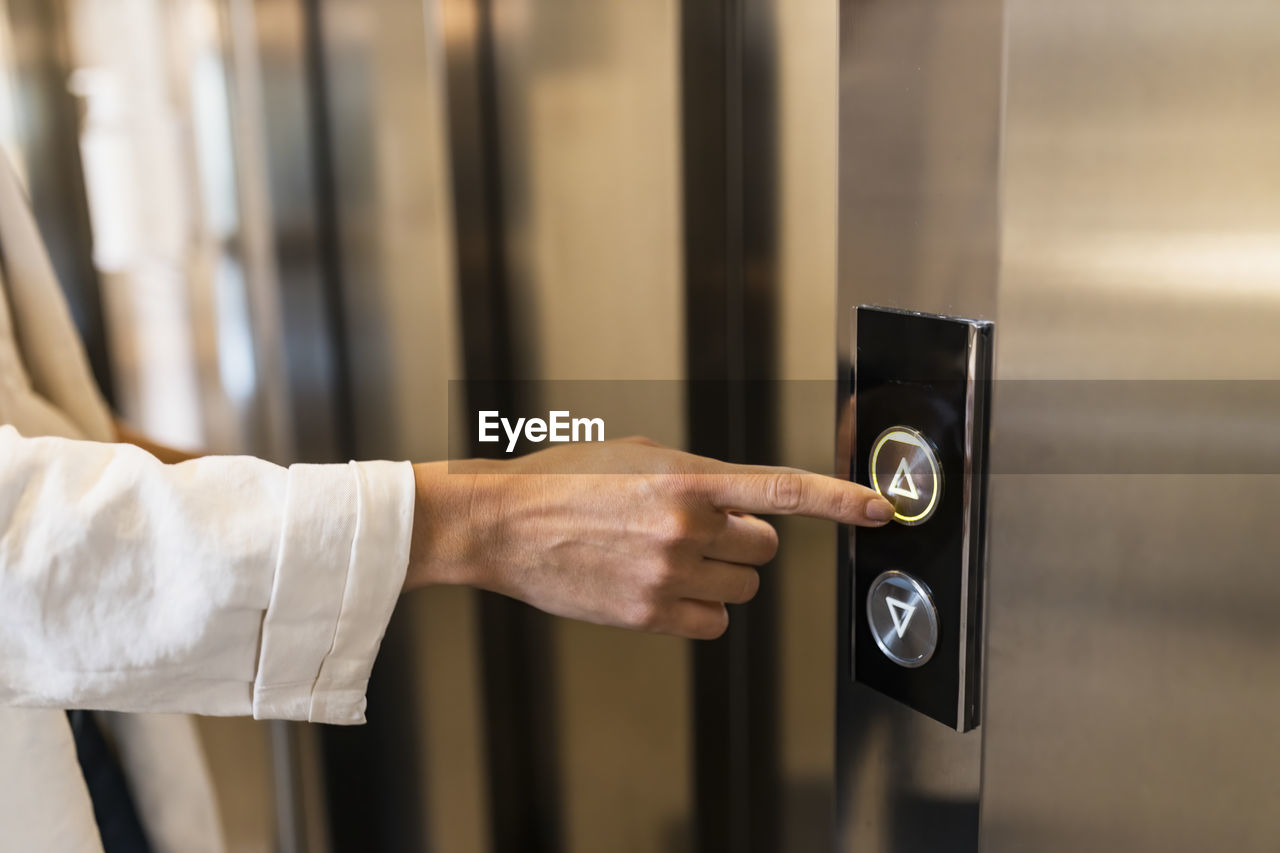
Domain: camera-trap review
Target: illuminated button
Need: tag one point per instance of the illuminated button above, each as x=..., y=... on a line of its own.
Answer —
x=903, y=619
x=905, y=470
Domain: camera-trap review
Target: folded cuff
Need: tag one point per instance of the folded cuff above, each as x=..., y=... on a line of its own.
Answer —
x=343, y=554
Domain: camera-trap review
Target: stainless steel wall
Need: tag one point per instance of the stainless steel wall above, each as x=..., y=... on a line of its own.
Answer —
x=1132, y=654
x=1131, y=671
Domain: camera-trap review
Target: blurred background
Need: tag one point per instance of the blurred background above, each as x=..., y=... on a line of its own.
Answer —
x=285, y=225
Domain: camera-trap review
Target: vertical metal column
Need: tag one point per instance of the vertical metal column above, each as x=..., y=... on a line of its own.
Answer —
x=329, y=244
x=523, y=770
x=730, y=280
x=920, y=99
x=296, y=128
x=354, y=760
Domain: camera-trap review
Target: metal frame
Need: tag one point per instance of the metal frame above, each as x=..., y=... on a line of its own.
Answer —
x=523, y=755
x=731, y=293
x=329, y=242
x=973, y=565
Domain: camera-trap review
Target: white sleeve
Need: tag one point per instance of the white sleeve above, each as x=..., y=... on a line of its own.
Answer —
x=224, y=585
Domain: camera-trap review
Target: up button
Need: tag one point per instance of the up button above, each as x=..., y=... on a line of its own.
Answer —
x=905, y=470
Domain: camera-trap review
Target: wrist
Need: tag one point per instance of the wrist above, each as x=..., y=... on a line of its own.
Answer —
x=452, y=521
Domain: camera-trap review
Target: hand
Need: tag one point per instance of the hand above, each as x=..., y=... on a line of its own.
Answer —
x=663, y=549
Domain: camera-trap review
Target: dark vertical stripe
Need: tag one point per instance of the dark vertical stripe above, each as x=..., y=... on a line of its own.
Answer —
x=371, y=772
x=518, y=667
x=328, y=233
x=730, y=281
x=114, y=808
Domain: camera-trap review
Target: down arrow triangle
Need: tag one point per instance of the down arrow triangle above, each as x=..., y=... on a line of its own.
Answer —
x=901, y=614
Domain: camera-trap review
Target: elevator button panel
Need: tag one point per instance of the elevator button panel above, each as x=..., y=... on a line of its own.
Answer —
x=904, y=469
x=921, y=388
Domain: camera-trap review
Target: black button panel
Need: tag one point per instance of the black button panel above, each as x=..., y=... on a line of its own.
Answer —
x=921, y=388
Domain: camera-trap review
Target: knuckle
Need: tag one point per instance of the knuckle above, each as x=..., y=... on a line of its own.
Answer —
x=750, y=586
x=676, y=481
x=785, y=491
x=664, y=575
x=643, y=614
x=847, y=503
x=679, y=527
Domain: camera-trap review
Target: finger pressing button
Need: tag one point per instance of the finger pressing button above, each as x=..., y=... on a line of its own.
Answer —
x=904, y=469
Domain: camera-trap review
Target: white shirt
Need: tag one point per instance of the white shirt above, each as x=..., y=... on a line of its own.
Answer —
x=225, y=585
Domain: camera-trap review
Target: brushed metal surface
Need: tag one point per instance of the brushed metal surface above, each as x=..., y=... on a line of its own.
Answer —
x=919, y=120
x=1131, y=639
x=1132, y=649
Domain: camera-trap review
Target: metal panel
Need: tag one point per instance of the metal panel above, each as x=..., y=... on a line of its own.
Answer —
x=919, y=122
x=1133, y=675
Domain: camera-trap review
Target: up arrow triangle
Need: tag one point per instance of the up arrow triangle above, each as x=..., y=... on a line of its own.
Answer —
x=901, y=614
x=902, y=485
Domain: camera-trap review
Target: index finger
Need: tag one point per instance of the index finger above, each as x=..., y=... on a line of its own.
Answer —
x=766, y=490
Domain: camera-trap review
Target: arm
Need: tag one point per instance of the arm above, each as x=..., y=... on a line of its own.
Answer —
x=661, y=553
x=229, y=585
x=661, y=549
